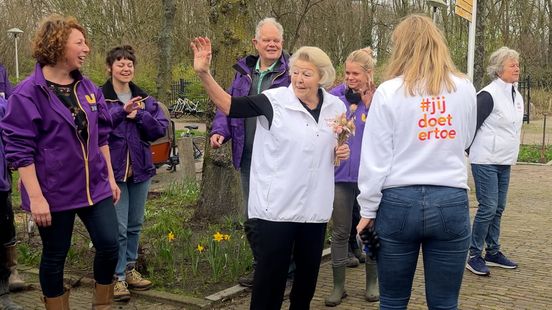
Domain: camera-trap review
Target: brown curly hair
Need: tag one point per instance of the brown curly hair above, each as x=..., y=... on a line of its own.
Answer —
x=49, y=42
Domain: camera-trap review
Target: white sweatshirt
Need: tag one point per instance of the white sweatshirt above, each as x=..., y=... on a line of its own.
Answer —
x=416, y=140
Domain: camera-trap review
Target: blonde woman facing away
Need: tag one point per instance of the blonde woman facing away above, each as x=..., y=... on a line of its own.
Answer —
x=413, y=174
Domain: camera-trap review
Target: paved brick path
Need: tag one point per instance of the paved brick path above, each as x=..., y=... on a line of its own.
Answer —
x=526, y=238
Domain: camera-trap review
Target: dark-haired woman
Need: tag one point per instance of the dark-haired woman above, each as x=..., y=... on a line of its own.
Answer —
x=55, y=132
x=137, y=121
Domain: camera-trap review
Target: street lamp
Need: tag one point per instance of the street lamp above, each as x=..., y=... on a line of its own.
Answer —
x=16, y=32
x=435, y=4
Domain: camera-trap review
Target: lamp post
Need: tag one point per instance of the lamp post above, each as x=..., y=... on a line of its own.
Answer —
x=435, y=4
x=16, y=32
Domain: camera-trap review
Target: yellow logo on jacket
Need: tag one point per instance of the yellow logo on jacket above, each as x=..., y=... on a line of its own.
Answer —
x=91, y=98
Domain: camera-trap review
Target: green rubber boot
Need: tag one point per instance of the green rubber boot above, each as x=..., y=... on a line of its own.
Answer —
x=372, y=288
x=338, y=292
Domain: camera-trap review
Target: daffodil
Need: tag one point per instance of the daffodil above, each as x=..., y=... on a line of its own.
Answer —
x=226, y=237
x=218, y=236
x=200, y=248
x=171, y=236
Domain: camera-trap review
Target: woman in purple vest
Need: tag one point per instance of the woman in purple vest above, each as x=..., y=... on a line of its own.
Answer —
x=56, y=129
x=356, y=92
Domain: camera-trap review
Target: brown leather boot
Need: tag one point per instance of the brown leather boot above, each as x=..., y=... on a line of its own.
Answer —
x=57, y=303
x=103, y=296
x=15, y=280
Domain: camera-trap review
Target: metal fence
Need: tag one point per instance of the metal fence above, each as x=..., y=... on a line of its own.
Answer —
x=524, y=87
x=178, y=90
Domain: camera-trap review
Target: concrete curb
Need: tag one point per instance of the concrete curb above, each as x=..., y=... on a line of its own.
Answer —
x=156, y=295
x=151, y=295
x=236, y=289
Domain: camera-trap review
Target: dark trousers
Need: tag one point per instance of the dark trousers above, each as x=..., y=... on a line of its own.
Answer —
x=7, y=231
x=276, y=241
x=101, y=222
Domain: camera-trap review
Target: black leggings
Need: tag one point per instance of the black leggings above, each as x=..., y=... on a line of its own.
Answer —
x=276, y=241
x=101, y=222
x=7, y=231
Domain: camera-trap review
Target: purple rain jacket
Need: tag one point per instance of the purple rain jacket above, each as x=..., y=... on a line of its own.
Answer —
x=347, y=171
x=129, y=142
x=4, y=177
x=38, y=128
x=234, y=128
x=5, y=86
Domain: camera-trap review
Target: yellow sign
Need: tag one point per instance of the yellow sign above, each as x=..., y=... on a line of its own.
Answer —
x=465, y=4
x=460, y=11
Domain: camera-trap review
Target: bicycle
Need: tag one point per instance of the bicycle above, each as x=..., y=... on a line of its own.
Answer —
x=185, y=106
x=188, y=133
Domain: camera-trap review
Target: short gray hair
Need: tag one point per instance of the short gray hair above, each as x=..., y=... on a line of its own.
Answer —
x=268, y=20
x=319, y=59
x=497, y=59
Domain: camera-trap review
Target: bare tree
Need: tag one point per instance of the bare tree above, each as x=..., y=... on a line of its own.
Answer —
x=164, y=74
x=479, y=56
x=220, y=189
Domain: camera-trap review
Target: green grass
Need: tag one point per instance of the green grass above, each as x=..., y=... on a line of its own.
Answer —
x=174, y=264
x=535, y=154
x=182, y=255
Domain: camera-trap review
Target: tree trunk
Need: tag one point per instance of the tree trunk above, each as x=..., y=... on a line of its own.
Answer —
x=220, y=189
x=479, y=57
x=164, y=74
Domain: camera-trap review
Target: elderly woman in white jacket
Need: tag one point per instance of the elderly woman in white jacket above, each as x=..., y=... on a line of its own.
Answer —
x=493, y=152
x=292, y=173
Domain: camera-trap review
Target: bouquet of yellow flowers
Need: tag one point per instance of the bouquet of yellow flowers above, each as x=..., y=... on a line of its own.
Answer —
x=344, y=126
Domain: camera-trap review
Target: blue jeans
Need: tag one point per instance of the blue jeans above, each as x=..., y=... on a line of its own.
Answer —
x=491, y=185
x=130, y=215
x=435, y=218
x=101, y=224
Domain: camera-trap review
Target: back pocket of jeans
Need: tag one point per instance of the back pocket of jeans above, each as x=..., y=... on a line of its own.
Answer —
x=392, y=216
x=455, y=217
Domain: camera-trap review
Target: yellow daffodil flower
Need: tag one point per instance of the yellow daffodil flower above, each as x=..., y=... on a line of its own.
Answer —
x=171, y=236
x=218, y=237
x=200, y=248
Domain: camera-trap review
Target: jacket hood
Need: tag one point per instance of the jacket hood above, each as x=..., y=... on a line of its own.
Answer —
x=247, y=64
x=110, y=94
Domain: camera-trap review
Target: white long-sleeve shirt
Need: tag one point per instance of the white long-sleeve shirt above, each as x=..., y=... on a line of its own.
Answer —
x=415, y=140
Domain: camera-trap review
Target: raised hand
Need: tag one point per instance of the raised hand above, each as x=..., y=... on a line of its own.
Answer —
x=202, y=54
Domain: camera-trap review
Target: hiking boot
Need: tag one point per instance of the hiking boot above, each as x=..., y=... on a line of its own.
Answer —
x=476, y=264
x=247, y=280
x=499, y=260
x=135, y=280
x=121, y=292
